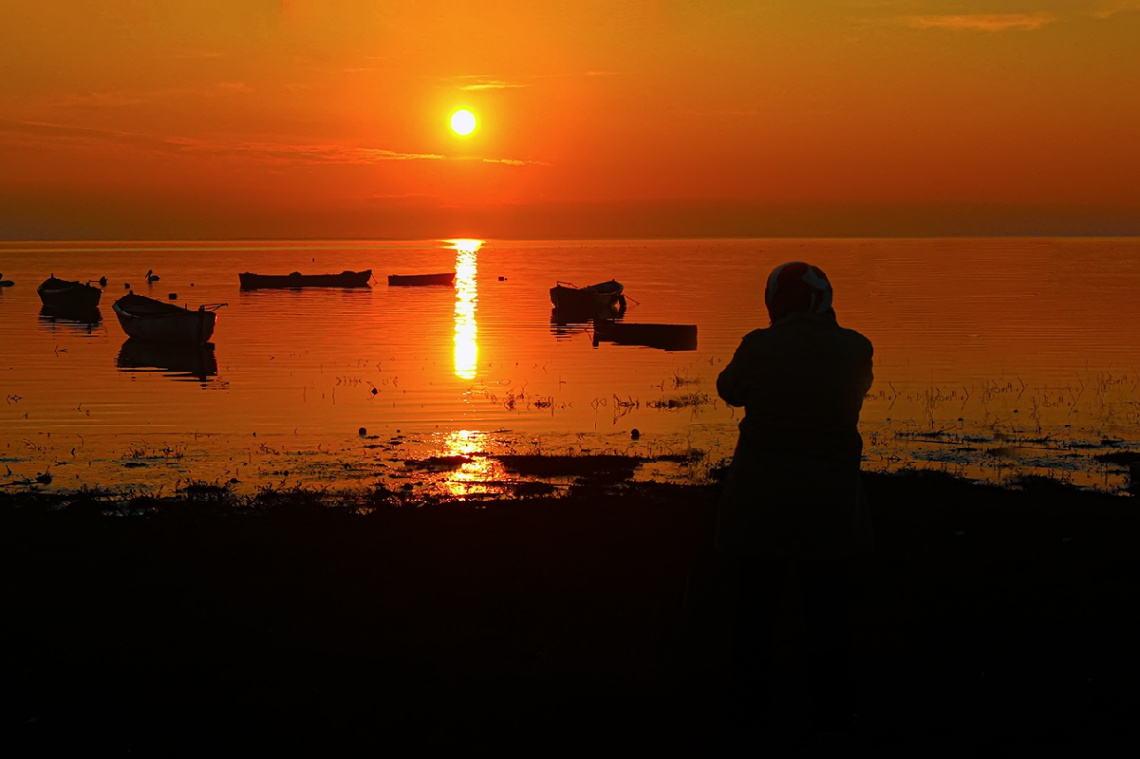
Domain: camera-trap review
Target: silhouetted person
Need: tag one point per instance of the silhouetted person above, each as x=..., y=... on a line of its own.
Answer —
x=793, y=502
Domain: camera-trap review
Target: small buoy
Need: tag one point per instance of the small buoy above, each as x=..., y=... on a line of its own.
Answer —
x=102, y=281
x=635, y=433
x=362, y=432
x=375, y=391
x=173, y=296
x=126, y=285
x=502, y=279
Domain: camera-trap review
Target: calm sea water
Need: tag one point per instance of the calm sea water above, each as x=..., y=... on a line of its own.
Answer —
x=994, y=358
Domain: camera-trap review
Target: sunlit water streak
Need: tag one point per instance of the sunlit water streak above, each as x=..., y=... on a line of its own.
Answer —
x=466, y=305
x=994, y=358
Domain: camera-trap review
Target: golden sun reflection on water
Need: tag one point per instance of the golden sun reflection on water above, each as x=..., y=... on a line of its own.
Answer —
x=466, y=305
x=475, y=474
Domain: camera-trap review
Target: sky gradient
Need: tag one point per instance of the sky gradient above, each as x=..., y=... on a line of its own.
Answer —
x=213, y=119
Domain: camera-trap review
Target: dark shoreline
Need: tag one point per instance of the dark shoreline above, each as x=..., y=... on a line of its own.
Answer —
x=986, y=618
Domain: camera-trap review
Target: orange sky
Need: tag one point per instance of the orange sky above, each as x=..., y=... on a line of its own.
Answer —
x=302, y=118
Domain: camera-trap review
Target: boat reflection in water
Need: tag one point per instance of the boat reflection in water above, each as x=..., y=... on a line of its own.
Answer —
x=466, y=306
x=82, y=320
x=565, y=316
x=668, y=337
x=567, y=321
x=179, y=361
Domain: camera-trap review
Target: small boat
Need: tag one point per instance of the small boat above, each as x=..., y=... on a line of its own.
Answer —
x=5, y=282
x=148, y=319
x=604, y=296
x=65, y=294
x=297, y=279
x=420, y=280
x=669, y=337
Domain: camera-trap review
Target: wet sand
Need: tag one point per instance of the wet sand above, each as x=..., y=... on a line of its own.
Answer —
x=987, y=619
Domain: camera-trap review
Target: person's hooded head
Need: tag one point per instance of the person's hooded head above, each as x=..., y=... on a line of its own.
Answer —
x=797, y=287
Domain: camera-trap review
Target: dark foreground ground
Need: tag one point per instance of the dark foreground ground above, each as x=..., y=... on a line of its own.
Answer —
x=986, y=620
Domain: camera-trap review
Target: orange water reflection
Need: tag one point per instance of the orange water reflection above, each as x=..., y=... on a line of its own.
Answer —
x=993, y=358
x=466, y=305
x=477, y=473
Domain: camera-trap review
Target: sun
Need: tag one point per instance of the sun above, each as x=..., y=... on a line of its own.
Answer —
x=463, y=122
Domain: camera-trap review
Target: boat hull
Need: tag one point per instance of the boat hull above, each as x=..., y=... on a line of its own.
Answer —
x=250, y=281
x=446, y=279
x=70, y=296
x=151, y=320
x=669, y=337
x=599, y=298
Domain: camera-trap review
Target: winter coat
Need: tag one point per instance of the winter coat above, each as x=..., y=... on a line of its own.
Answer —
x=793, y=489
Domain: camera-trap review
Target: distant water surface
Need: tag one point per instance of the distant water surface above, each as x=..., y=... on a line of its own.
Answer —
x=994, y=358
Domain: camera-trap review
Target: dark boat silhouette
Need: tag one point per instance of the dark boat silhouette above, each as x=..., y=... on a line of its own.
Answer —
x=184, y=359
x=604, y=297
x=420, y=280
x=68, y=294
x=669, y=337
x=250, y=281
x=145, y=318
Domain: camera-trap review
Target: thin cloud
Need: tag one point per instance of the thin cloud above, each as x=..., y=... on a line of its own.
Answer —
x=376, y=154
x=1107, y=10
x=397, y=196
x=196, y=54
x=515, y=162
x=118, y=98
x=994, y=22
x=735, y=113
x=40, y=134
x=493, y=85
x=233, y=87
x=99, y=99
x=33, y=134
x=475, y=82
x=309, y=154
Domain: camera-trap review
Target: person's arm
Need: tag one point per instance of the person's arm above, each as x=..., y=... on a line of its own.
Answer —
x=868, y=373
x=732, y=384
